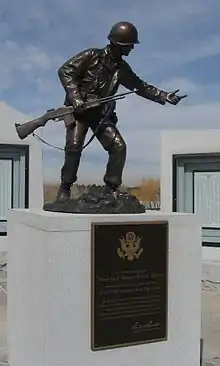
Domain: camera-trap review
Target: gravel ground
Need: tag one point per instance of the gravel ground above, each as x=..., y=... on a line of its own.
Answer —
x=3, y=303
x=210, y=322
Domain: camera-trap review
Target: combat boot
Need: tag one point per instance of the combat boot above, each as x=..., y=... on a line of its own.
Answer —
x=64, y=192
x=112, y=189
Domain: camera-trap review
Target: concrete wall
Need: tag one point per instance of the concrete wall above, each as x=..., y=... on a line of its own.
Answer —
x=57, y=287
x=8, y=117
x=185, y=142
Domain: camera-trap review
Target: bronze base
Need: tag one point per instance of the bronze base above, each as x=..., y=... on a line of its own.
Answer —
x=98, y=201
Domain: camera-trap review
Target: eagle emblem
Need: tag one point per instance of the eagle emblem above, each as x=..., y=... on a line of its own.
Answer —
x=130, y=247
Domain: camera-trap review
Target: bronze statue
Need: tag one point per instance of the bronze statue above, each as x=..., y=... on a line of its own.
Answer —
x=97, y=73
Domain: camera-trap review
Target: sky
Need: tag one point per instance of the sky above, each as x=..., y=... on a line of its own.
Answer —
x=179, y=49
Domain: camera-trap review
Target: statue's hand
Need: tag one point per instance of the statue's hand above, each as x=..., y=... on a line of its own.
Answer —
x=78, y=105
x=174, y=99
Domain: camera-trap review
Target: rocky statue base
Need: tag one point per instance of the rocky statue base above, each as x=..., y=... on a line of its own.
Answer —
x=97, y=200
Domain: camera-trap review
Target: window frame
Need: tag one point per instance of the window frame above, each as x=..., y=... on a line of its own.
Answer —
x=184, y=168
x=19, y=154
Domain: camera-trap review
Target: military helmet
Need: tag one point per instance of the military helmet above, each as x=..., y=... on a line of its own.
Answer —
x=123, y=33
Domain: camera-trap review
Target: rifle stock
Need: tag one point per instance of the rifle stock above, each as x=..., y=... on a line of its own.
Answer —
x=25, y=129
x=61, y=113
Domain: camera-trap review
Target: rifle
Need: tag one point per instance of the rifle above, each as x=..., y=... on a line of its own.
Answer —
x=64, y=113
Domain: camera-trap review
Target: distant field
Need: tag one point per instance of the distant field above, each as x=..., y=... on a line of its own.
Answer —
x=50, y=192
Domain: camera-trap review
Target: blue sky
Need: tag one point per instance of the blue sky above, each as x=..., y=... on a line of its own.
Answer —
x=179, y=48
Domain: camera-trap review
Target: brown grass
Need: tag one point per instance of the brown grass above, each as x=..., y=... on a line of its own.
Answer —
x=147, y=190
x=50, y=192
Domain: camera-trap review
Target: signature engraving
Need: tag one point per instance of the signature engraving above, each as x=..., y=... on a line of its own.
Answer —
x=141, y=327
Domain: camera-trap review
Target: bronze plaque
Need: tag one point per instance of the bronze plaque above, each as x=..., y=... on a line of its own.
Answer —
x=129, y=283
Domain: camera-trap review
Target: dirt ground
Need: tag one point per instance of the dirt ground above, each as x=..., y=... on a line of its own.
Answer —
x=210, y=322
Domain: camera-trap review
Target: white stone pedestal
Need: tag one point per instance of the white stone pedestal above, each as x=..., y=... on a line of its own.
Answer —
x=49, y=292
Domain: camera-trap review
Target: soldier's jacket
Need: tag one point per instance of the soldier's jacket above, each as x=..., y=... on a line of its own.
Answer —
x=94, y=73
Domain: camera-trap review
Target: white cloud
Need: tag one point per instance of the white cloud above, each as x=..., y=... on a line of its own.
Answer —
x=33, y=57
x=192, y=50
x=185, y=85
x=29, y=59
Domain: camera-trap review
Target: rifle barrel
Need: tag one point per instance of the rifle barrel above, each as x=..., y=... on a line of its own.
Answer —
x=115, y=97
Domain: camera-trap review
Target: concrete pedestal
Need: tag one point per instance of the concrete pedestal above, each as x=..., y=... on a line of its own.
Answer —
x=49, y=292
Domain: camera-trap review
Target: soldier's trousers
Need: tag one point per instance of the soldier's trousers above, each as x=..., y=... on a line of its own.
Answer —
x=111, y=140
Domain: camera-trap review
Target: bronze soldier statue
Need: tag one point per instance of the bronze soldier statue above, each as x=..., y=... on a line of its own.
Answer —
x=97, y=73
